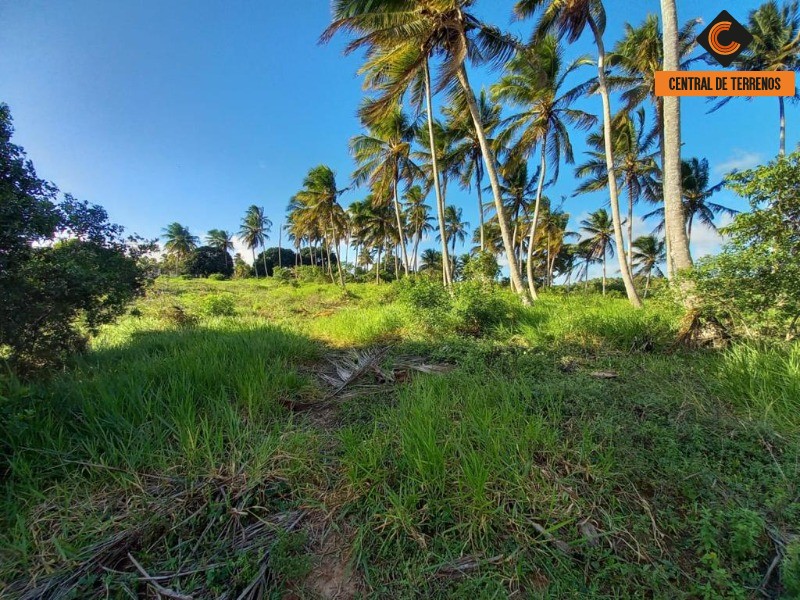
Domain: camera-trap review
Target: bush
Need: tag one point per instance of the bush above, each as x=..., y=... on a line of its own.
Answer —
x=476, y=308
x=790, y=571
x=310, y=274
x=428, y=300
x=284, y=275
x=219, y=305
x=482, y=267
x=753, y=285
x=217, y=277
x=206, y=261
x=177, y=316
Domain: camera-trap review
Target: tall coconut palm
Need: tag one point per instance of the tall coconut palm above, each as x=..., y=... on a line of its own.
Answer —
x=438, y=163
x=179, y=242
x=418, y=218
x=636, y=58
x=775, y=47
x=648, y=254
x=677, y=240
x=431, y=260
x=456, y=227
x=466, y=157
x=569, y=18
x=319, y=200
x=518, y=188
x=636, y=165
x=383, y=156
x=697, y=190
x=534, y=81
x=401, y=37
x=254, y=232
x=599, y=237
x=220, y=240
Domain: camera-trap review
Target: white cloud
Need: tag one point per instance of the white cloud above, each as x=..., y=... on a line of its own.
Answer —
x=238, y=246
x=739, y=160
x=705, y=240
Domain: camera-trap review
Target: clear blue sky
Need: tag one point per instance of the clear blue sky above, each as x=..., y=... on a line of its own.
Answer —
x=190, y=111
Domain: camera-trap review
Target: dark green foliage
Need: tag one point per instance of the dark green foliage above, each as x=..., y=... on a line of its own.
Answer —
x=217, y=277
x=177, y=315
x=52, y=292
x=481, y=267
x=754, y=283
x=270, y=258
x=205, y=260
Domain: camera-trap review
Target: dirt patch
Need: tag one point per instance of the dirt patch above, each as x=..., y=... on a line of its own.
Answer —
x=332, y=576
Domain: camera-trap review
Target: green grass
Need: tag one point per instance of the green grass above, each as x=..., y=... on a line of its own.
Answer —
x=664, y=482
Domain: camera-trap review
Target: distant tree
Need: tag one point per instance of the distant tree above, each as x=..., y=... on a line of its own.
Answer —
x=272, y=257
x=418, y=218
x=206, y=260
x=599, y=230
x=241, y=270
x=222, y=241
x=455, y=227
x=431, y=260
x=648, y=254
x=254, y=230
x=179, y=242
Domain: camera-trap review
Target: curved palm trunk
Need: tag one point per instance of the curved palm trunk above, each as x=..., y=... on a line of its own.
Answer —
x=255, y=264
x=782, y=148
x=264, y=258
x=491, y=170
x=378, y=267
x=633, y=297
x=673, y=206
x=436, y=184
x=662, y=150
x=604, y=270
x=647, y=282
x=417, y=238
x=689, y=228
x=532, y=236
x=478, y=178
x=400, y=230
x=631, y=199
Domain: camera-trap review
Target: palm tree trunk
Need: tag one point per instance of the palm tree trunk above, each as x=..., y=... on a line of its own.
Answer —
x=535, y=221
x=264, y=258
x=280, y=235
x=255, y=265
x=339, y=264
x=436, y=184
x=378, y=267
x=491, y=170
x=662, y=150
x=400, y=230
x=647, y=282
x=633, y=297
x=689, y=228
x=478, y=182
x=782, y=105
x=673, y=206
x=417, y=237
x=631, y=198
x=604, y=270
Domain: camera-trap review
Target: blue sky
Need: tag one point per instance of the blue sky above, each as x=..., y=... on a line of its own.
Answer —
x=191, y=111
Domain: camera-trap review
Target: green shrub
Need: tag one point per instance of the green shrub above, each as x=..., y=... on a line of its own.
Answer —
x=284, y=275
x=217, y=277
x=311, y=274
x=219, y=305
x=482, y=267
x=428, y=300
x=477, y=308
x=790, y=571
x=177, y=316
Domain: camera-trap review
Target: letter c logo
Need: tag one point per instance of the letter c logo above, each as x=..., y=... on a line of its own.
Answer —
x=716, y=46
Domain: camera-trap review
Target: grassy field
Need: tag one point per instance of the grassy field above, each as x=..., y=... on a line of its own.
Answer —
x=568, y=450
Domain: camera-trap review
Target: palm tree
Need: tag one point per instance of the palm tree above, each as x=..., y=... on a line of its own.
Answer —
x=697, y=191
x=534, y=81
x=400, y=37
x=418, y=218
x=636, y=166
x=456, y=228
x=466, y=157
x=674, y=218
x=636, y=59
x=431, y=260
x=437, y=163
x=569, y=18
x=318, y=203
x=775, y=47
x=599, y=230
x=519, y=191
x=253, y=232
x=648, y=253
x=179, y=241
x=220, y=240
x=383, y=156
